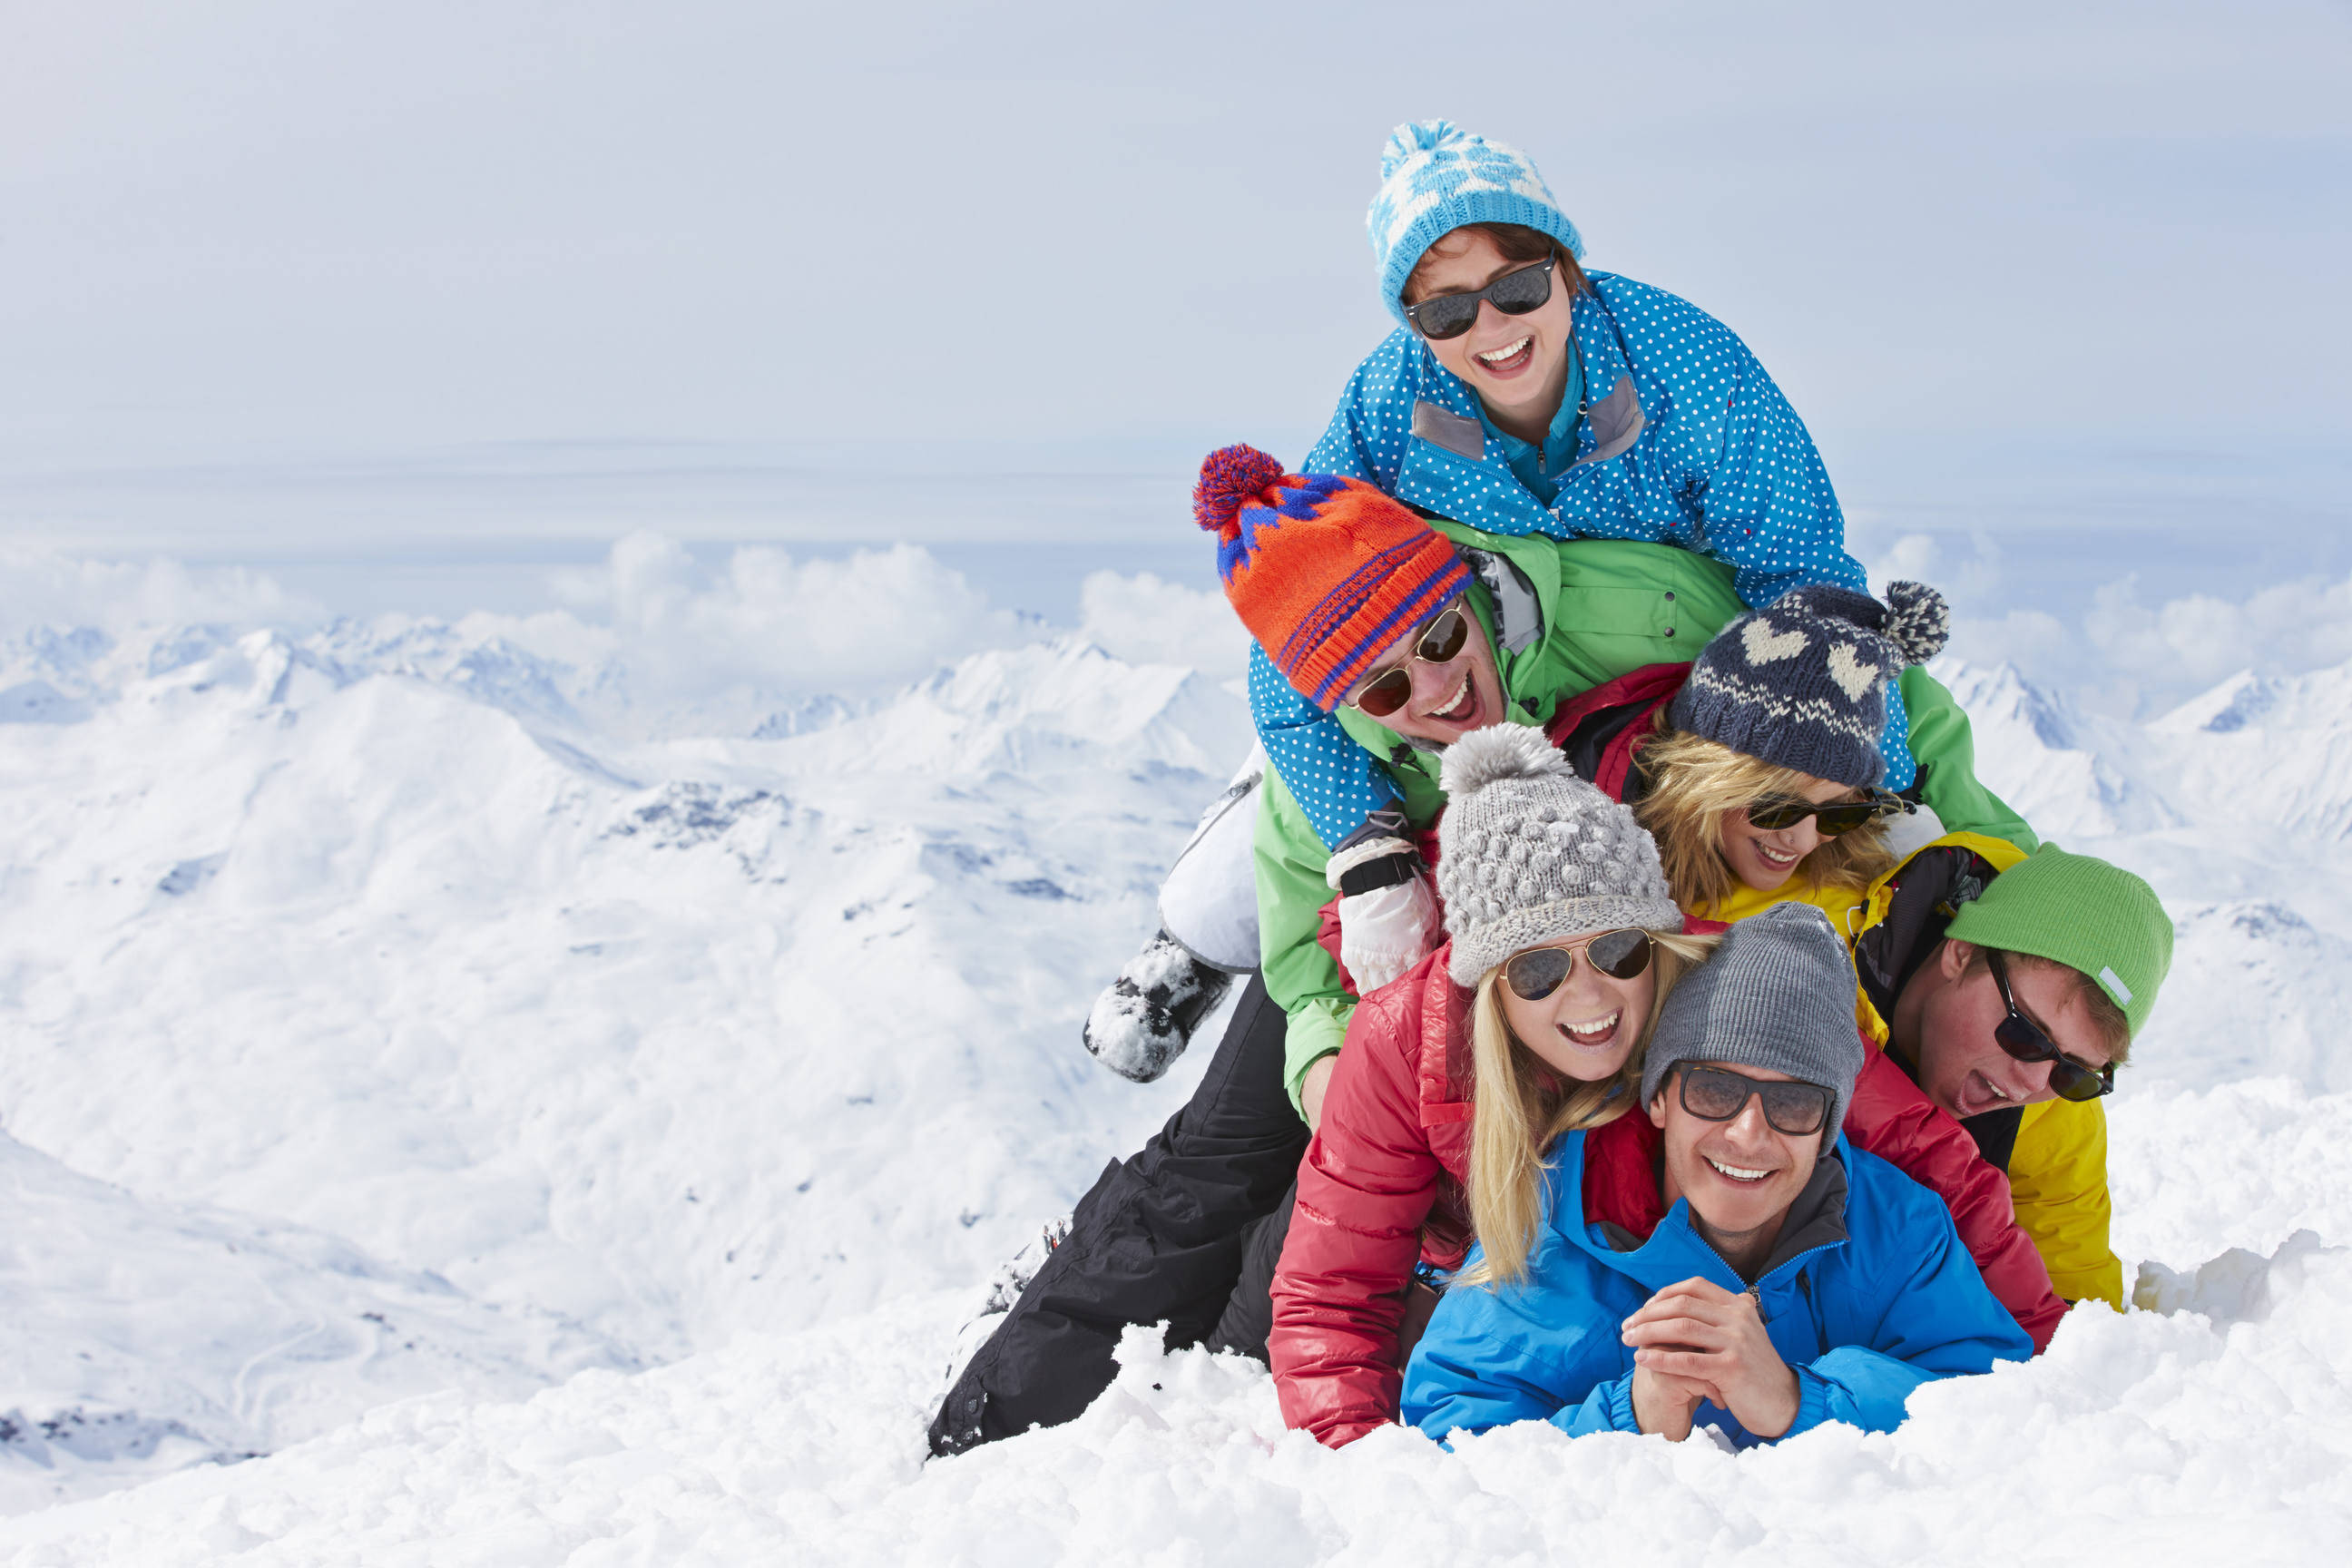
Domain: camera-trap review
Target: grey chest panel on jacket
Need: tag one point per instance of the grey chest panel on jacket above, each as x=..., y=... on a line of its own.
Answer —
x=1462, y=436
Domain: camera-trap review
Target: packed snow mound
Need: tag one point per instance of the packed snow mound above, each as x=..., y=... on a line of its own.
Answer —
x=143, y=1337
x=2211, y=1428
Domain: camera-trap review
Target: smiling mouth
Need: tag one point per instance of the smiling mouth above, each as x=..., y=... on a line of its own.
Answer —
x=1739, y=1174
x=1510, y=357
x=1591, y=1034
x=1979, y=1094
x=1778, y=859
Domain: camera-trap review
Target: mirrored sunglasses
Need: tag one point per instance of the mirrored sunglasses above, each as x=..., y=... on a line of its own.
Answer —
x=1441, y=641
x=1514, y=293
x=1539, y=971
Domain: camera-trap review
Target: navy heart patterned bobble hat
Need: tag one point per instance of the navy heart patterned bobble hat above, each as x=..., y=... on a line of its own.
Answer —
x=1802, y=682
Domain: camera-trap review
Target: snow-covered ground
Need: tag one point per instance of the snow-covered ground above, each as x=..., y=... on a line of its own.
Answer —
x=396, y=1022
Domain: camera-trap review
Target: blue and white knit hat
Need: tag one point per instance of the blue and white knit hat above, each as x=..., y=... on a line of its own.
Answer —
x=1802, y=681
x=1435, y=178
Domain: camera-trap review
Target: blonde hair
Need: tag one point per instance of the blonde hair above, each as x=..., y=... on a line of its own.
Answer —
x=1695, y=784
x=1520, y=1106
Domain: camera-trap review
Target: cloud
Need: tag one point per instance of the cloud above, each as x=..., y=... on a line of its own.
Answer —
x=2197, y=640
x=41, y=587
x=1144, y=619
x=767, y=625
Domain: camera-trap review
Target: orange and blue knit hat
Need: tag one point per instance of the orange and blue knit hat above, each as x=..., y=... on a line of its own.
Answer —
x=1325, y=572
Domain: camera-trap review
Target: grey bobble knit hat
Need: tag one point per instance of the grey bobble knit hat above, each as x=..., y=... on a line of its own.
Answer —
x=1527, y=853
x=1777, y=994
x=1802, y=681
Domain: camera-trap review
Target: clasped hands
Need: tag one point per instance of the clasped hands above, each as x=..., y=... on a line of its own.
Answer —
x=1696, y=1342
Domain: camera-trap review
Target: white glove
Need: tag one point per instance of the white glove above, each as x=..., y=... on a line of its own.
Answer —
x=1385, y=931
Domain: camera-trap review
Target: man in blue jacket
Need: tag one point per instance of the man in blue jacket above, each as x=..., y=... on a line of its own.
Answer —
x=1728, y=1259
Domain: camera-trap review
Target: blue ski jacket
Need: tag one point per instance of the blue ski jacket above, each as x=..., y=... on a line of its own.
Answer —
x=1869, y=1295
x=1685, y=442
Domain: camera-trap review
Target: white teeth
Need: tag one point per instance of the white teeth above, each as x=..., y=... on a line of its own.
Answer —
x=1496, y=356
x=1451, y=703
x=1735, y=1173
x=1776, y=857
x=1597, y=1025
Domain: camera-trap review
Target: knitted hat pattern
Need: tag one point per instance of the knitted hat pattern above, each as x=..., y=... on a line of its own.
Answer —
x=1326, y=573
x=2082, y=912
x=1528, y=853
x=1802, y=681
x=1777, y=994
x=1433, y=179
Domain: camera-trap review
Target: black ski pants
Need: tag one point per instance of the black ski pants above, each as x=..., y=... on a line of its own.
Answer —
x=1187, y=1231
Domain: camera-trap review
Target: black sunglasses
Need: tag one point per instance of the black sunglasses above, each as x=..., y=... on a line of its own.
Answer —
x=1539, y=971
x=2019, y=1036
x=1391, y=688
x=1832, y=818
x=1719, y=1094
x=1514, y=293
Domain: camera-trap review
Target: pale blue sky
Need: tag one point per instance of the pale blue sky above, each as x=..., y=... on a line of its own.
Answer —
x=297, y=279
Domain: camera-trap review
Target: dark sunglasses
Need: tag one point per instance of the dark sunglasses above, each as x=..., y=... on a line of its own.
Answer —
x=1833, y=817
x=1719, y=1094
x=1443, y=639
x=1514, y=294
x=1539, y=971
x=2017, y=1034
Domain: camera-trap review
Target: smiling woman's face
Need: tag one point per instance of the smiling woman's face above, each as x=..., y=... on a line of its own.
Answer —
x=1517, y=364
x=1587, y=1027
x=1765, y=859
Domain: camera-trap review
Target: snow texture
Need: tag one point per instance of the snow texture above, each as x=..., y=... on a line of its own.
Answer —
x=550, y=1138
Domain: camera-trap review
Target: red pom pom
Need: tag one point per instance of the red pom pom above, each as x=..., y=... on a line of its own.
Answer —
x=1231, y=477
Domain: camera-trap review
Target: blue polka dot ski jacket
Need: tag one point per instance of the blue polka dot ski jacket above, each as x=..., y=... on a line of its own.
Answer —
x=1685, y=441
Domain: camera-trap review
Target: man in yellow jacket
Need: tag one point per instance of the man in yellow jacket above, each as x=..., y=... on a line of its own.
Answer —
x=2009, y=988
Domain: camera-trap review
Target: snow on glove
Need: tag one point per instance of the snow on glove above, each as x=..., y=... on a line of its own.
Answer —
x=1388, y=916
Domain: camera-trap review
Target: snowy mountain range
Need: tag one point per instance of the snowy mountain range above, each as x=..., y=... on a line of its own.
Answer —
x=383, y=1010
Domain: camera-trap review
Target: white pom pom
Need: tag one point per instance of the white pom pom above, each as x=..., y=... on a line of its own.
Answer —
x=1498, y=752
x=1918, y=621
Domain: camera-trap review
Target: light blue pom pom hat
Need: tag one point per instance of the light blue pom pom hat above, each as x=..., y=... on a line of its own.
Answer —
x=1435, y=177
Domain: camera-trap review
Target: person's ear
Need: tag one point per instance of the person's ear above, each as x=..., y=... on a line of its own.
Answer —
x=1657, y=1107
x=1952, y=961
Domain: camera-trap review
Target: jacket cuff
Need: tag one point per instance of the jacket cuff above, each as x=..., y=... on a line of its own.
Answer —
x=1813, y=1403
x=1621, y=1404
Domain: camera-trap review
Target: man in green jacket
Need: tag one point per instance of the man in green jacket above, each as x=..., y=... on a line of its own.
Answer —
x=1548, y=621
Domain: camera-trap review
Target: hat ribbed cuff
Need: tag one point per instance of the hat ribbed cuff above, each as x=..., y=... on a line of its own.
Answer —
x=1479, y=947
x=1358, y=621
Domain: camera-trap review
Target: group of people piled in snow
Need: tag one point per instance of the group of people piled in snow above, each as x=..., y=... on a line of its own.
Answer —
x=1654, y=1023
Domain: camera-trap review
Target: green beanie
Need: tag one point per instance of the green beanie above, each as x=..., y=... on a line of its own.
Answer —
x=2077, y=911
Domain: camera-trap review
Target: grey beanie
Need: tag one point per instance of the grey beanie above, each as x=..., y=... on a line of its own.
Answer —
x=1527, y=853
x=1802, y=682
x=1777, y=994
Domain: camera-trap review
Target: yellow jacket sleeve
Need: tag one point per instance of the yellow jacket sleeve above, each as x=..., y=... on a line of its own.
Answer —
x=2058, y=1177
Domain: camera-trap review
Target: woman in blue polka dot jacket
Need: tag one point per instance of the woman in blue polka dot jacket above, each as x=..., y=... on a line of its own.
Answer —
x=1521, y=396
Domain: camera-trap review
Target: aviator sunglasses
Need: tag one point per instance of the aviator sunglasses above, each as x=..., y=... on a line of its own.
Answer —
x=1539, y=971
x=2017, y=1034
x=1832, y=818
x=1718, y=1094
x=1391, y=688
x=1514, y=294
